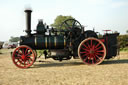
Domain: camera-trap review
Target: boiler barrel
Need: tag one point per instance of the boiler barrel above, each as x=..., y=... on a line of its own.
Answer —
x=44, y=42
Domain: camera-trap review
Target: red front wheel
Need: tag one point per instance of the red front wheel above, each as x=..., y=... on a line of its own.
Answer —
x=92, y=51
x=23, y=56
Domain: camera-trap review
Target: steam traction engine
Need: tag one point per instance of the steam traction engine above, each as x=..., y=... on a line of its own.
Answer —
x=63, y=44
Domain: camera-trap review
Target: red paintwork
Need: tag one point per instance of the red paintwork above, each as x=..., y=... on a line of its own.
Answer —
x=105, y=41
x=106, y=31
x=102, y=40
x=92, y=51
x=23, y=56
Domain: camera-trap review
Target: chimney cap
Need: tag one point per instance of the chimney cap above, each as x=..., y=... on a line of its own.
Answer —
x=27, y=10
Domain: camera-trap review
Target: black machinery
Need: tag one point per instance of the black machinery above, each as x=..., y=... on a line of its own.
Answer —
x=62, y=44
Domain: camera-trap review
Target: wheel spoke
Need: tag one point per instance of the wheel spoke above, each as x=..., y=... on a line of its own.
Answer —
x=86, y=49
x=91, y=44
x=20, y=52
x=93, y=47
x=17, y=61
x=98, y=57
x=28, y=56
x=23, y=51
x=17, y=57
x=28, y=53
x=88, y=45
x=67, y=25
x=24, y=64
x=73, y=24
x=98, y=48
x=94, y=51
x=94, y=57
x=30, y=59
x=85, y=59
x=100, y=51
x=17, y=54
x=97, y=45
x=87, y=54
x=85, y=46
x=83, y=52
x=26, y=50
x=99, y=54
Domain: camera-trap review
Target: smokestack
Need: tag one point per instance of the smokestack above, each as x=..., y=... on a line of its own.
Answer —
x=28, y=22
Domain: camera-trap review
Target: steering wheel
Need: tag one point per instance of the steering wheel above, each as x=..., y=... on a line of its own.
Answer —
x=72, y=28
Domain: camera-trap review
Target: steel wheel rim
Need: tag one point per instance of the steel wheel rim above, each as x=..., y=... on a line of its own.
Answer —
x=92, y=51
x=69, y=27
x=23, y=56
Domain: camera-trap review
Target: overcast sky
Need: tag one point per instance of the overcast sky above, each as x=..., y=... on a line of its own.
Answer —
x=101, y=14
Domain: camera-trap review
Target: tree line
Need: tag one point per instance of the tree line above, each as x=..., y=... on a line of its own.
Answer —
x=123, y=41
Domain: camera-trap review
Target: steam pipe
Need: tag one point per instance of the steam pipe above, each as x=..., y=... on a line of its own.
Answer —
x=28, y=22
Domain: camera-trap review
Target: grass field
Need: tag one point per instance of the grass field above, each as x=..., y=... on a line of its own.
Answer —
x=71, y=72
x=124, y=49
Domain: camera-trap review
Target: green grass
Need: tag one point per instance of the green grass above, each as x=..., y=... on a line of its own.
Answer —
x=6, y=51
x=124, y=49
x=40, y=51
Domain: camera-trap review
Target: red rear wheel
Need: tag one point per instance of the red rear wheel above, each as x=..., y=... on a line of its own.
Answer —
x=92, y=51
x=23, y=56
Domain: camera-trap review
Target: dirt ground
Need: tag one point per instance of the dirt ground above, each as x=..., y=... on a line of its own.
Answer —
x=71, y=72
